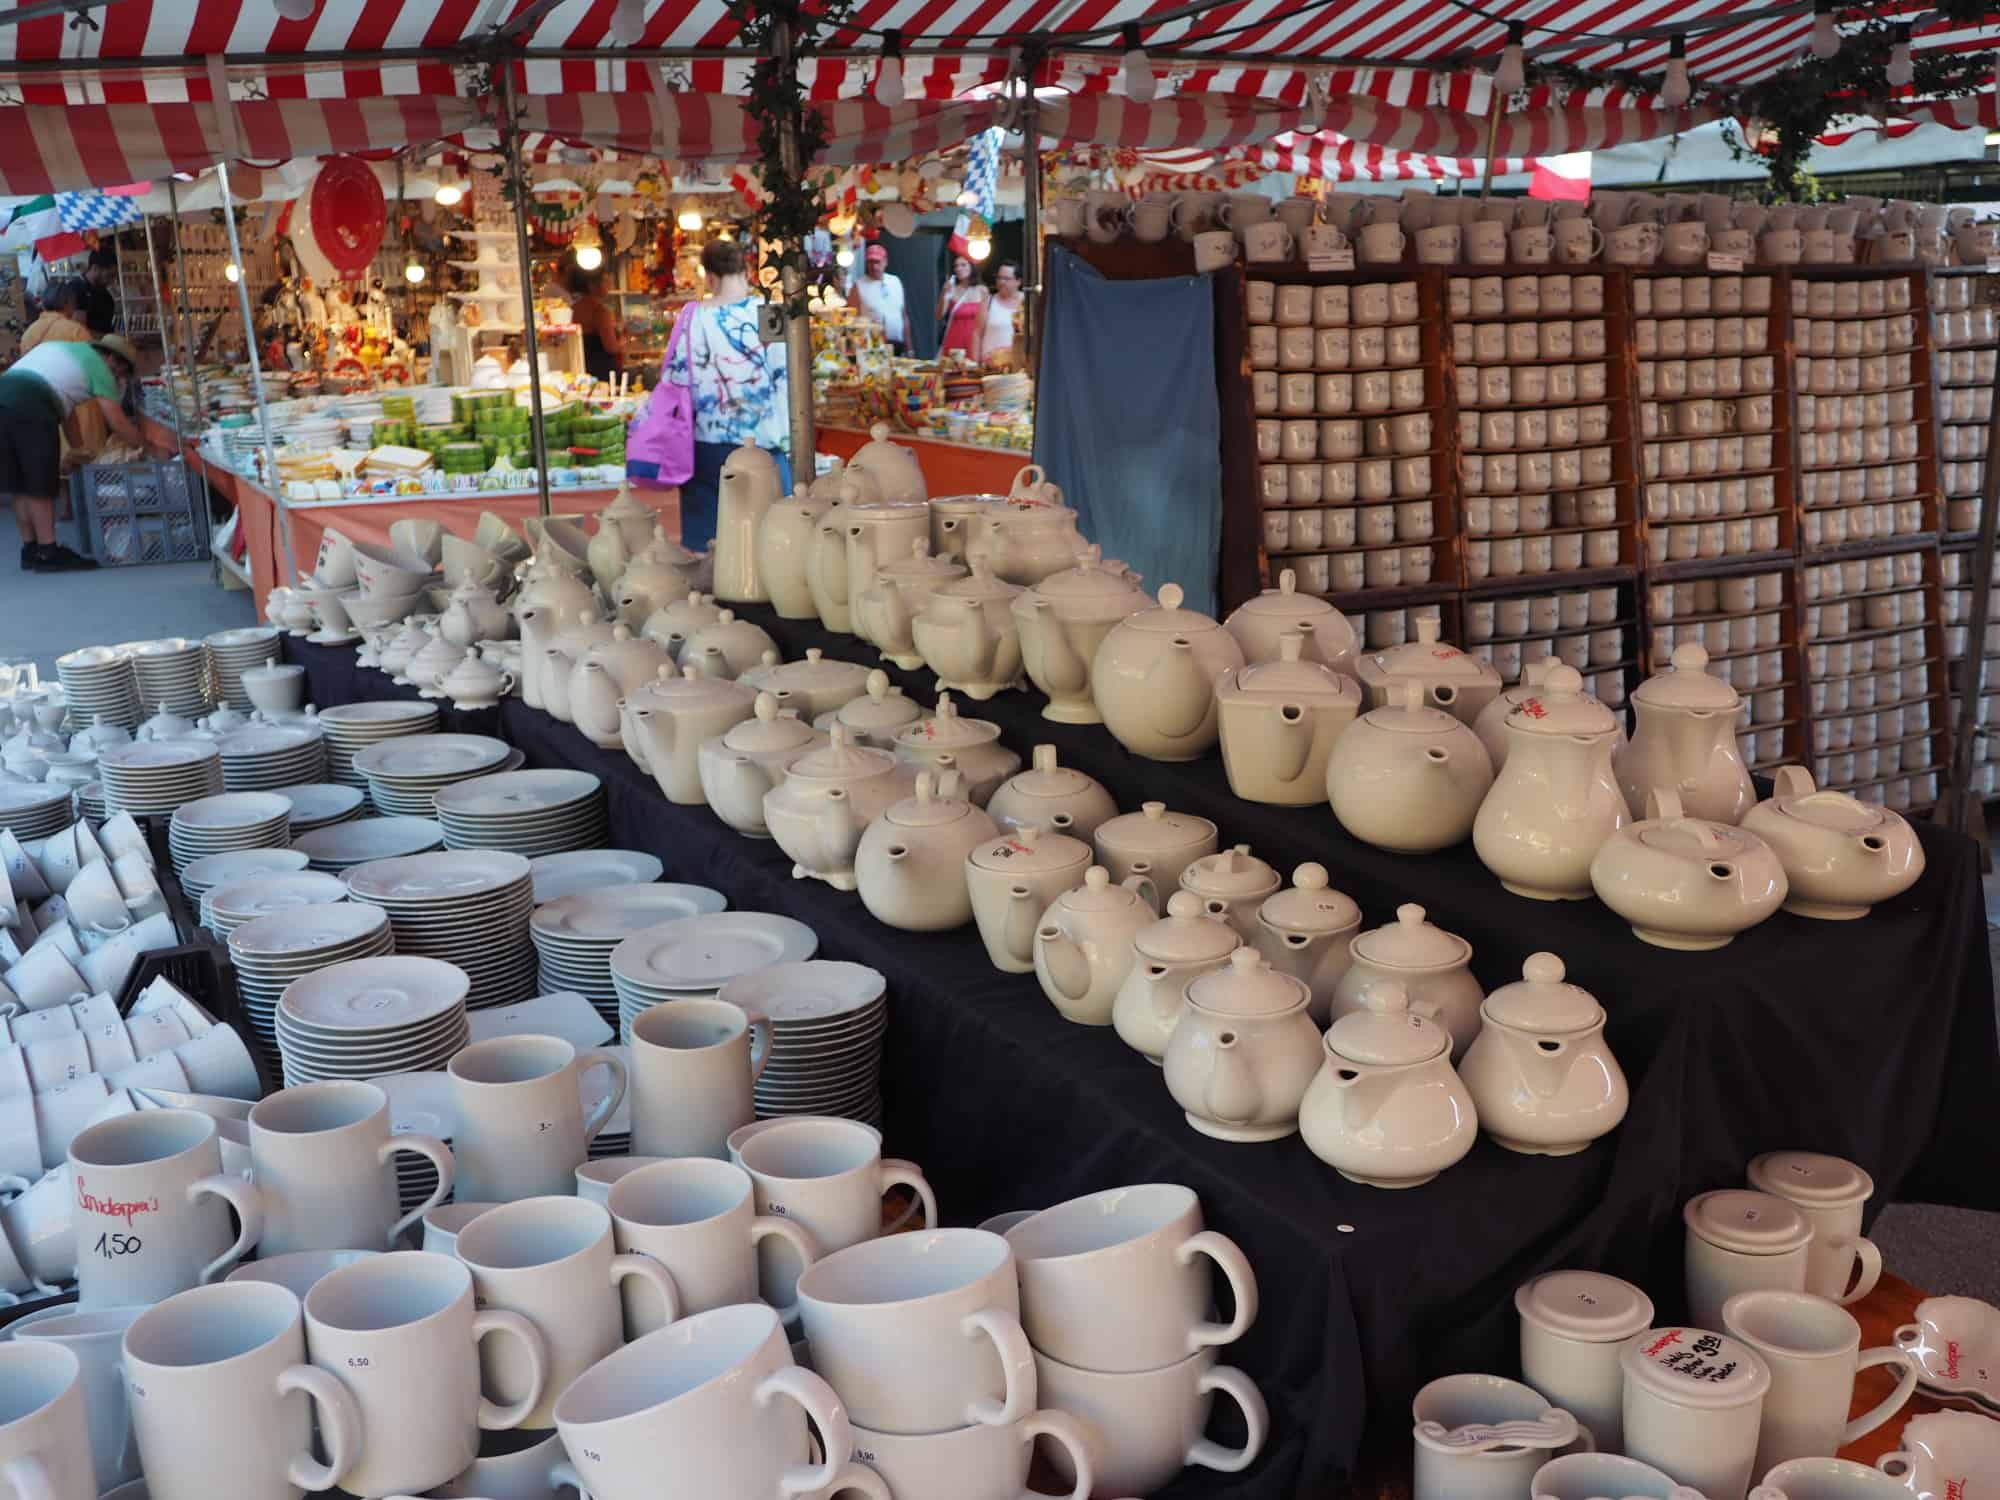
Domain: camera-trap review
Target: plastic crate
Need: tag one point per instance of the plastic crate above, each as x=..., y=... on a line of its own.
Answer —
x=134, y=514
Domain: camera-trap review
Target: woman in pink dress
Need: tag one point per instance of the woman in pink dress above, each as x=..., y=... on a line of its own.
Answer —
x=960, y=306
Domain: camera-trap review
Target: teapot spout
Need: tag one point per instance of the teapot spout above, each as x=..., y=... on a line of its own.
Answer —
x=839, y=829
x=1023, y=912
x=979, y=640
x=1232, y=1095
x=1364, y=1091
x=1064, y=963
x=1063, y=671
x=1182, y=696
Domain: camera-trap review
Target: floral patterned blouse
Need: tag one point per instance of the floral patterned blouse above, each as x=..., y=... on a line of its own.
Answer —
x=737, y=379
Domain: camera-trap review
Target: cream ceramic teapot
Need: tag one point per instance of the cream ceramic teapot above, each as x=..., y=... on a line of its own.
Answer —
x=1012, y=880
x=473, y=615
x=1279, y=721
x=967, y=635
x=1062, y=619
x=1054, y=796
x=1167, y=956
x=630, y=517
x=817, y=683
x=1686, y=741
x=1261, y=624
x=893, y=467
x=886, y=532
x=749, y=487
x=1557, y=800
x=727, y=646
x=669, y=721
x=1540, y=1073
x=1154, y=679
x=826, y=570
x=910, y=867
x=1083, y=944
x=1026, y=543
x=1386, y=1108
x=1407, y=777
x=885, y=609
x=1154, y=842
x=1461, y=685
x=784, y=540
x=1233, y=883
x=662, y=574
x=875, y=716
x=1434, y=968
x=827, y=800
x=1841, y=855
x=674, y=624
x=1687, y=882
x=1308, y=933
x=607, y=671
x=476, y=683
x=740, y=765
x=954, y=520
x=947, y=742
x=1491, y=725
x=1243, y=1051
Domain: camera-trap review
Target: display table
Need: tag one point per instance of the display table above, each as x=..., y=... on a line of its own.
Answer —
x=1874, y=1040
x=949, y=468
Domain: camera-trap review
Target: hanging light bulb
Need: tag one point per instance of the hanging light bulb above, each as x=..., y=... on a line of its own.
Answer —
x=978, y=247
x=1674, y=88
x=1512, y=72
x=1901, y=70
x=414, y=271
x=449, y=194
x=587, y=247
x=889, y=74
x=844, y=257
x=689, y=219
x=294, y=10
x=628, y=22
x=1825, y=34
x=232, y=273
x=1137, y=70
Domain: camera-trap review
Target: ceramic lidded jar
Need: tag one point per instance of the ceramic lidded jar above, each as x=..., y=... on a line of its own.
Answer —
x=740, y=765
x=1459, y=684
x=671, y=720
x=1233, y=883
x=1693, y=1405
x=876, y=716
x=1307, y=932
x=947, y=742
x=1841, y=855
x=1491, y=725
x=884, y=610
x=1083, y=944
x=674, y=625
x=1279, y=721
x=1154, y=679
x=1573, y=1325
x=476, y=683
x=1062, y=621
x=1167, y=956
x=1013, y=878
x=1408, y=777
x=1261, y=624
x=911, y=863
x=967, y=636
x=740, y=643
x=827, y=800
x=817, y=682
x=1557, y=799
x=1386, y=1108
x=1686, y=742
x=1540, y=1071
x=1433, y=966
x=1055, y=796
x=1686, y=882
x=1243, y=1051
x=784, y=537
x=1154, y=842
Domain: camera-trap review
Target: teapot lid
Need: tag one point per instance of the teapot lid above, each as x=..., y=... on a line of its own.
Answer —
x=1561, y=706
x=1587, y=1306
x=1291, y=677
x=1837, y=812
x=1248, y=987
x=1031, y=850
x=1385, y=1030
x=1809, y=1177
x=1286, y=599
x=1694, y=1367
x=1687, y=684
x=767, y=729
x=1153, y=830
x=979, y=585
x=1090, y=579
x=1311, y=905
x=1410, y=942
x=1044, y=778
x=1746, y=1221
x=1429, y=658
x=624, y=503
x=693, y=689
x=840, y=760
x=1694, y=838
x=1407, y=713
x=1169, y=618
x=817, y=669
x=1099, y=893
x=937, y=800
x=945, y=730
x=1541, y=1000
x=1187, y=933
x=882, y=706
x=920, y=563
x=1233, y=872
x=884, y=510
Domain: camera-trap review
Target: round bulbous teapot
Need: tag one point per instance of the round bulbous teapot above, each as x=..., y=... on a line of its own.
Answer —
x=1686, y=742
x=898, y=476
x=1540, y=1072
x=827, y=800
x=1083, y=944
x=784, y=539
x=946, y=741
x=1433, y=968
x=1154, y=679
x=910, y=868
x=1261, y=624
x=967, y=635
x=1184, y=944
x=1052, y=796
x=885, y=610
x=1243, y=1051
x=1459, y=684
x=1063, y=618
x=1841, y=855
x=1687, y=882
x=1407, y=777
x=674, y=624
x=738, y=766
x=1308, y=933
x=876, y=716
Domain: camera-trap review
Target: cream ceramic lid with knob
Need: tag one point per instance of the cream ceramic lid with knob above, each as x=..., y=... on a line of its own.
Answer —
x=1311, y=905
x=1098, y=893
x=1290, y=679
x=894, y=467
x=1688, y=685
x=1694, y=1367
x=1407, y=713
x=1747, y=1222
x=1810, y=1178
x=1561, y=706
x=1045, y=778
x=920, y=563
x=1428, y=658
x=1031, y=851
x=937, y=801
x=1410, y=942
x=979, y=585
x=1169, y=618
x=945, y=730
x=818, y=672
x=884, y=510
x=1248, y=987
x=1153, y=830
x=1091, y=590
x=1187, y=934
x=1385, y=1032
x=1541, y=1000
x=880, y=709
x=1696, y=839
x=1287, y=602
x=840, y=761
x=767, y=729
x=693, y=690
x=1795, y=796
x=1232, y=875
x=1587, y=1306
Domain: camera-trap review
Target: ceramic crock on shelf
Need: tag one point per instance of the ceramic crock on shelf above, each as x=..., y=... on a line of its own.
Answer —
x=749, y=487
x=1491, y=725
x=817, y=683
x=1686, y=882
x=1557, y=800
x=1243, y=1051
x=784, y=540
x=1013, y=878
x=886, y=608
x=1167, y=956
x=947, y=742
x=673, y=624
x=670, y=720
x=1154, y=842
x=1386, y=1108
x=874, y=717
x=1459, y=684
x=1062, y=621
x=910, y=867
x=967, y=635
x=1540, y=1071
x=744, y=762
x=1053, y=796
x=1233, y=883
x=1686, y=741
x=1083, y=944
x=827, y=800
x=1154, y=679
x=1279, y=721
x=1308, y=932
x=1433, y=966
x=1407, y=777
x=1261, y=624
x=1841, y=855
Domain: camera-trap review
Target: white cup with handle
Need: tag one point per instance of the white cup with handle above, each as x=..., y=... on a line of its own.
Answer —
x=1813, y=1349
x=320, y=1157
x=1832, y=1194
x=1594, y=1476
x=1145, y=1427
x=595, y=1179
x=1828, y=1479
x=1269, y=241
x=979, y=1462
x=97, y=1340
x=1381, y=244
x=693, y=1066
x=443, y=1223
x=44, y=1439
x=521, y=1129
x=1479, y=1437
x=1214, y=249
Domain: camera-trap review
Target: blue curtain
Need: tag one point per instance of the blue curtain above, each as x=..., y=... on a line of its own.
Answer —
x=1126, y=419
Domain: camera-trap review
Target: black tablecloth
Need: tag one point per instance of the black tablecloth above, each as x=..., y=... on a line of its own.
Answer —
x=1874, y=1040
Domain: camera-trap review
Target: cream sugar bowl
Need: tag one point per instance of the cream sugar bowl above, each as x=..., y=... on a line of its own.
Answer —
x=1243, y=1051
x=1279, y=720
x=1062, y=620
x=971, y=747
x=1154, y=679
x=1153, y=841
x=1083, y=944
x=1407, y=777
x=1307, y=932
x=827, y=800
x=1053, y=796
x=910, y=867
x=1433, y=966
x=739, y=766
x=1385, y=1108
x=1686, y=741
x=1260, y=625
x=1687, y=882
x=1461, y=685
x=1012, y=880
x=967, y=634
x=1540, y=1071
x=1841, y=855
x=1167, y=956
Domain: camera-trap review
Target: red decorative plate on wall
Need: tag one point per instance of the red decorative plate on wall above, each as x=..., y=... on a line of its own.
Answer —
x=348, y=214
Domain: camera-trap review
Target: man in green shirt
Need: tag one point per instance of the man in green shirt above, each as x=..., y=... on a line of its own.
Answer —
x=37, y=394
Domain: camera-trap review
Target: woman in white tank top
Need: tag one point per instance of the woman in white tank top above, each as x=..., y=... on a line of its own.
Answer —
x=996, y=325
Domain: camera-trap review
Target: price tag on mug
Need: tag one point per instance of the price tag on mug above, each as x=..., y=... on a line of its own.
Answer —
x=1724, y=263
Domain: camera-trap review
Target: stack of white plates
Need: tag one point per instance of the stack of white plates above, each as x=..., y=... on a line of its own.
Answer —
x=530, y=812
x=204, y=875
x=233, y=820
x=342, y=846
x=574, y=935
x=351, y=728
x=559, y=875
x=369, y=1016
x=34, y=809
x=827, y=1022
x=468, y=907
x=173, y=674
x=99, y=683
x=234, y=652
x=405, y=775
x=227, y=907
x=699, y=955
x=270, y=952
x=272, y=755
x=321, y=804
x=90, y=802
x=157, y=776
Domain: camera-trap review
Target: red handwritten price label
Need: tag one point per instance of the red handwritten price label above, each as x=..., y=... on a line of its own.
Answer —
x=1725, y=263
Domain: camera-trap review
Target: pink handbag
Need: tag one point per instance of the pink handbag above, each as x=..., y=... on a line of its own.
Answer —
x=659, y=447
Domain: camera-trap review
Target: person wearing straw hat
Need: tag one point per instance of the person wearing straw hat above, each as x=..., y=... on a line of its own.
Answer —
x=38, y=392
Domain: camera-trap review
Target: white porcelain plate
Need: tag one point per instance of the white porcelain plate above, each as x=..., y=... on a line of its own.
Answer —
x=559, y=875
x=813, y=991
x=374, y=995
x=367, y=839
x=431, y=757
x=513, y=794
x=260, y=895
x=608, y=916
x=1956, y=1344
x=315, y=930
x=1948, y=1455
x=450, y=875
x=706, y=952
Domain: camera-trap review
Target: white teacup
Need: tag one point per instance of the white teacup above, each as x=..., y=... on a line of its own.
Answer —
x=1828, y=1479
x=1446, y=1470
x=1145, y=1427
x=693, y=1066
x=979, y=1462
x=595, y=1179
x=1596, y=1476
x=1813, y=1348
x=521, y=1130
x=1214, y=249
x=320, y=1154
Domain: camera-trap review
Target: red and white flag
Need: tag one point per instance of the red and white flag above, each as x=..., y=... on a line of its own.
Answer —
x=1562, y=178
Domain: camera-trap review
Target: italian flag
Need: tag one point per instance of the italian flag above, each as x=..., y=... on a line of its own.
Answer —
x=36, y=222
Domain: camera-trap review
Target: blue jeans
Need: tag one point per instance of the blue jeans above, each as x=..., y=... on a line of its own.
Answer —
x=702, y=493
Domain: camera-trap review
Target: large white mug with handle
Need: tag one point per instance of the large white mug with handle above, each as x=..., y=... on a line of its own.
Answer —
x=1145, y=1427
x=1841, y=1262
x=320, y=1158
x=1813, y=1349
x=521, y=1127
x=97, y=1340
x=693, y=1066
x=44, y=1443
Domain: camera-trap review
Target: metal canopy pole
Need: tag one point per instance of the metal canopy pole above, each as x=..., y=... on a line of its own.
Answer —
x=511, y=139
x=166, y=339
x=1031, y=215
x=798, y=330
x=184, y=308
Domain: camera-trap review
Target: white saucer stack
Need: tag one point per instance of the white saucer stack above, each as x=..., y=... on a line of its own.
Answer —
x=227, y=907
x=827, y=1023
x=203, y=875
x=468, y=907
x=99, y=683
x=574, y=936
x=559, y=875
x=157, y=776
x=173, y=674
x=359, y=841
x=272, y=755
x=321, y=804
x=34, y=809
x=234, y=652
x=233, y=820
x=351, y=728
x=698, y=955
x=368, y=1016
x=405, y=776
x=90, y=802
x=271, y=952
x=529, y=812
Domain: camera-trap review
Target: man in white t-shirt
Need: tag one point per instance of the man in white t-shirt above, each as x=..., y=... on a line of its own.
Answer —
x=881, y=298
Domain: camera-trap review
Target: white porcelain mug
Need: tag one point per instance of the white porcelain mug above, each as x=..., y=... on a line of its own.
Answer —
x=1594, y=1476
x=693, y=1066
x=977, y=1462
x=1448, y=1470
x=44, y=1441
x=1840, y=1263
x=1574, y=1325
x=98, y=1341
x=1439, y=244
x=1738, y=1242
x=1382, y=243
x=1214, y=249
x=1268, y=242
x=320, y=1156
x=1693, y=1402
x=1813, y=1349
x=1145, y=1427
x=1577, y=241
x=1829, y=1479
x=511, y=1466
x=521, y=1131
